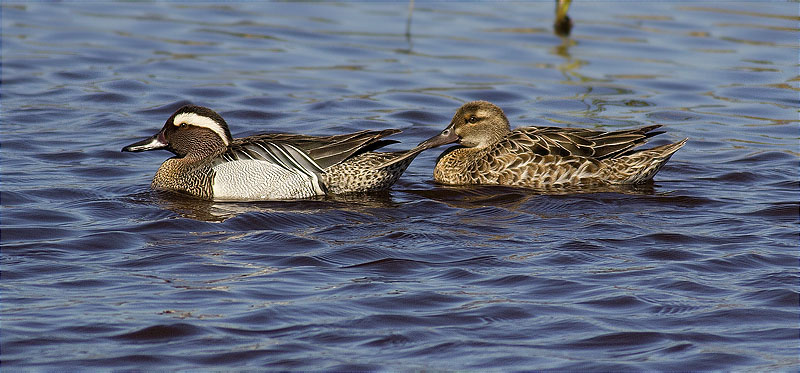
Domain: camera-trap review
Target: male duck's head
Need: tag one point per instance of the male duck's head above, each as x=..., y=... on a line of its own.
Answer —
x=477, y=124
x=190, y=130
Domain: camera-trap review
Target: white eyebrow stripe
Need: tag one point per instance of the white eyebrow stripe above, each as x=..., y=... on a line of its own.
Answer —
x=201, y=121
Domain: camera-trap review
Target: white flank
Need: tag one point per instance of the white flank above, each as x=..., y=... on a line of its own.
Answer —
x=295, y=155
x=250, y=180
x=201, y=121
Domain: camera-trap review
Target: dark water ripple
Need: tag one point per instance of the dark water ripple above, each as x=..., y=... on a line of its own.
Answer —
x=695, y=271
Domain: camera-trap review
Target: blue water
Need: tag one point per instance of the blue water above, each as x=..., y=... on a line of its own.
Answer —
x=697, y=271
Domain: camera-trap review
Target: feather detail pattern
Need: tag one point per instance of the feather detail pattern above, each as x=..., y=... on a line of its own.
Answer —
x=210, y=164
x=538, y=157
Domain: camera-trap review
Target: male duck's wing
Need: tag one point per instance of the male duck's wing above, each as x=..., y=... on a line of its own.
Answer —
x=578, y=142
x=285, y=155
x=265, y=170
x=326, y=151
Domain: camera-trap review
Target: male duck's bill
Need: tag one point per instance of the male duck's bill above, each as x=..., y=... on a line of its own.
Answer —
x=210, y=164
x=491, y=153
x=154, y=142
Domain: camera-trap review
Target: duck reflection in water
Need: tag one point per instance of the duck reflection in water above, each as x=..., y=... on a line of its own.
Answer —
x=214, y=211
x=514, y=198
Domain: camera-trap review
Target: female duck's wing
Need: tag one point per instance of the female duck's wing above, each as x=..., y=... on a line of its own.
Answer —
x=327, y=151
x=577, y=142
x=531, y=155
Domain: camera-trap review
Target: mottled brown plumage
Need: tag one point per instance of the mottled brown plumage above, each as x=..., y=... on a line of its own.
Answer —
x=490, y=153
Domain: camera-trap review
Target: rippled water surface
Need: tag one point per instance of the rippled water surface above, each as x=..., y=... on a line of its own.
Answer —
x=696, y=271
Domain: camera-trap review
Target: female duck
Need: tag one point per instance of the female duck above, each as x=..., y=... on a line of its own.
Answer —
x=210, y=164
x=540, y=157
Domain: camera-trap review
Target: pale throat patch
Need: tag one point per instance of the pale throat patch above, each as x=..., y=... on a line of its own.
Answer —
x=201, y=121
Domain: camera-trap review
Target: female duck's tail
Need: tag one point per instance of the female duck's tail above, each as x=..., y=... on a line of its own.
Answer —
x=640, y=166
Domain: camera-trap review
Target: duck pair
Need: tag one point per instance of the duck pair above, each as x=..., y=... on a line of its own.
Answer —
x=210, y=164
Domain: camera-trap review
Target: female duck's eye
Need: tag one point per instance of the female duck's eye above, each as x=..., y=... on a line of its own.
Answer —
x=473, y=119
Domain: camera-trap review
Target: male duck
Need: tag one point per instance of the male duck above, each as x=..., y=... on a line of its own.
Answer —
x=210, y=164
x=541, y=157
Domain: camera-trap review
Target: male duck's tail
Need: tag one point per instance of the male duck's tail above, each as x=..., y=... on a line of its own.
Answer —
x=640, y=166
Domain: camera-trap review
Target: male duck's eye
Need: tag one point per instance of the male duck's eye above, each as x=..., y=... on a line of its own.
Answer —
x=183, y=125
x=473, y=119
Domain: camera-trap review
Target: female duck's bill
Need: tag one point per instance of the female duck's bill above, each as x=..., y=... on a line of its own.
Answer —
x=491, y=153
x=448, y=136
x=210, y=164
